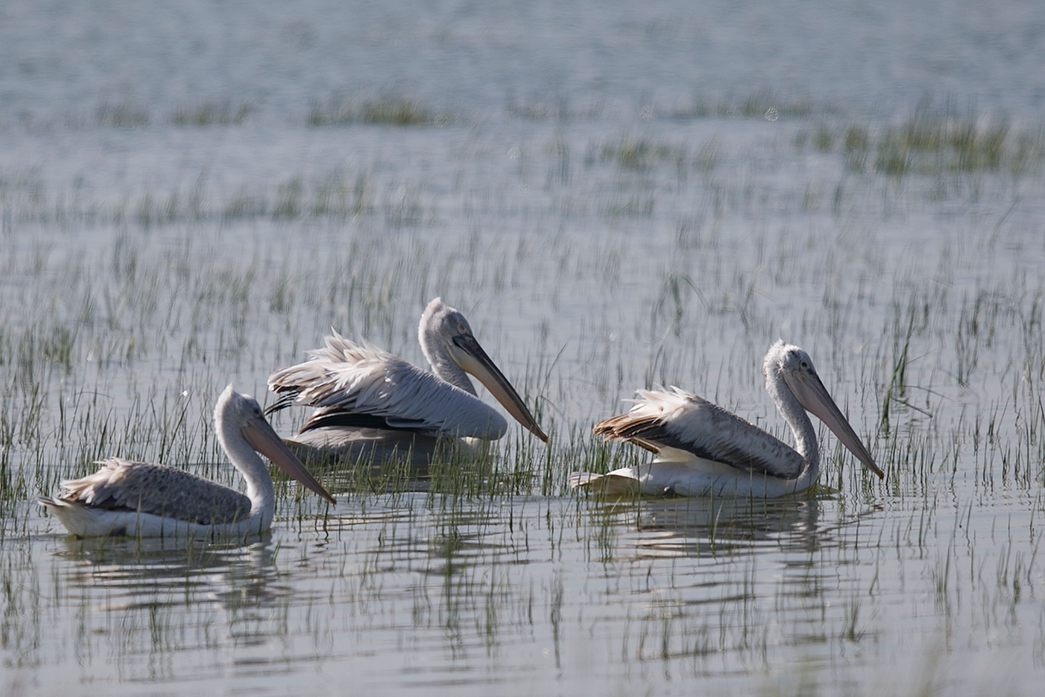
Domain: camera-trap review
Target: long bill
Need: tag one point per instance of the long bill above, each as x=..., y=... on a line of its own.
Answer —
x=259, y=434
x=471, y=357
x=812, y=395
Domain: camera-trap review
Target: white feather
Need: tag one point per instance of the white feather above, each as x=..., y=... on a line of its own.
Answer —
x=366, y=380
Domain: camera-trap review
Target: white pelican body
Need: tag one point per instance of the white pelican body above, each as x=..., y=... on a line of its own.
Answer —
x=147, y=500
x=703, y=450
x=371, y=404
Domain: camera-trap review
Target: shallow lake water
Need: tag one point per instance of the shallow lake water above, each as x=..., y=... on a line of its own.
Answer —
x=617, y=197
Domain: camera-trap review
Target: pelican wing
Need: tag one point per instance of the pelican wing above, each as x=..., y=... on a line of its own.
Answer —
x=122, y=485
x=346, y=381
x=681, y=420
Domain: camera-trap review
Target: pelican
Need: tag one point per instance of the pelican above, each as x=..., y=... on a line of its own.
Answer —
x=703, y=450
x=147, y=500
x=371, y=404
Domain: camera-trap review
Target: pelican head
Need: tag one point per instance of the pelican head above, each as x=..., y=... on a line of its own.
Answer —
x=244, y=412
x=796, y=368
x=450, y=347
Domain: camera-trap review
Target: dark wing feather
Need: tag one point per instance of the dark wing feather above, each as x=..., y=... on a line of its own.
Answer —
x=339, y=418
x=286, y=399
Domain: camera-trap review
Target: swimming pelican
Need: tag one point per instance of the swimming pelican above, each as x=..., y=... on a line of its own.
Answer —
x=703, y=450
x=371, y=404
x=146, y=500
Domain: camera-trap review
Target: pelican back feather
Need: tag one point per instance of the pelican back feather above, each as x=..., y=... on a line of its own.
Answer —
x=670, y=421
x=123, y=485
x=351, y=378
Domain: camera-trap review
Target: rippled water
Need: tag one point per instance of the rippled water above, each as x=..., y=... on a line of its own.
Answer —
x=616, y=196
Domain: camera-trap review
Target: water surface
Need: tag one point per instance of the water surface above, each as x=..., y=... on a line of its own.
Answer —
x=616, y=197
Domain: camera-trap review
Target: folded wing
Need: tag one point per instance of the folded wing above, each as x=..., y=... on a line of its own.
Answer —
x=123, y=485
x=682, y=421
x=347, y=381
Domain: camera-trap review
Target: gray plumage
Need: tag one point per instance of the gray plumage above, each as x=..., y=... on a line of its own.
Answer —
x=148, y=500
x=123, y=485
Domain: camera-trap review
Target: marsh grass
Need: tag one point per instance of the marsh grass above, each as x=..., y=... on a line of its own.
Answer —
x=388, y=109
x=552, y=107
x=931, y=142
x=124, y=316
x=220, y=113
x=764, y=104
x=640, y=153
x=121, y=115
x=335, y=195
